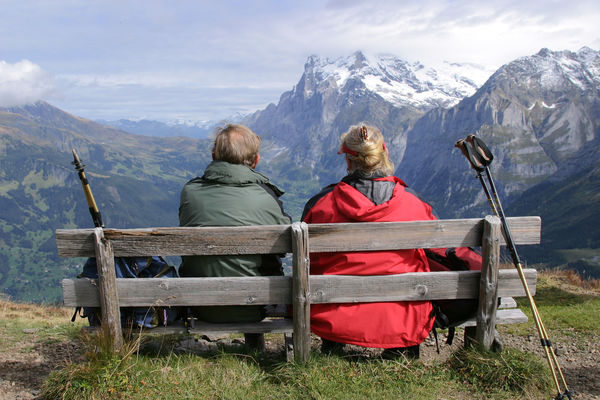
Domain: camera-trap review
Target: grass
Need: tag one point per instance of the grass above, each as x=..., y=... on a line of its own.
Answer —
x=235, y=376
x=510, y=371
x=43, y=323
x=134, y=373
x=466, y=375
x=566, y=304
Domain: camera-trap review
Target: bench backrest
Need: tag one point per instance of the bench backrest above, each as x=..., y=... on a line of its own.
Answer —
x=301, y=289
x=276, y=239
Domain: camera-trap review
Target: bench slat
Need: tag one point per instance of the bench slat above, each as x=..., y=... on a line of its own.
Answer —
x=265, y=239
x=414, y=234
x=507, y=302
x=277, y=289
x=282, y=325
x=277, y=239
x=413, y=286
x=503, y=317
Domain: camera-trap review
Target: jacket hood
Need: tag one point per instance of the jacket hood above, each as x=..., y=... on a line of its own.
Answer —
x=236, y=174
x=357, y=207
x=222, y=171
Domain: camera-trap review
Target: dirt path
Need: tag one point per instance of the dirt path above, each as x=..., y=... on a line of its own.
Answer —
x=24, y=367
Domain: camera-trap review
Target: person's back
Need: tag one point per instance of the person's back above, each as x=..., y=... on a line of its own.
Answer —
x=231, y=193
x=369, y=194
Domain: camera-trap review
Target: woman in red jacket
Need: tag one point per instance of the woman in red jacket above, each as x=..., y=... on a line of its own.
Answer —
x=369, y=193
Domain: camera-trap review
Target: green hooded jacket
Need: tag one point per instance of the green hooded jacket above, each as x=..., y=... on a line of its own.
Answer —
x=230, y=195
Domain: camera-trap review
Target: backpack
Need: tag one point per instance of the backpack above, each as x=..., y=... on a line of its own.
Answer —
x=451, y=313
x=133, y=267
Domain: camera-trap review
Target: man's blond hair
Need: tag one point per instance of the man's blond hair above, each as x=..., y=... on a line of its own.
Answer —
x=236, y=144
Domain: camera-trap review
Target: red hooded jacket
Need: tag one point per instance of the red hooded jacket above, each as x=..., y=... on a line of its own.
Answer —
x=382, y=325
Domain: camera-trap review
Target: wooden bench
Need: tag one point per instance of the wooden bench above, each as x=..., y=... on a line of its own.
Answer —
x=301, y=289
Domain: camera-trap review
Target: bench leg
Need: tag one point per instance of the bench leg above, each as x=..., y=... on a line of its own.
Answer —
x=288, y=345
x=470, y=336
x=497, y=345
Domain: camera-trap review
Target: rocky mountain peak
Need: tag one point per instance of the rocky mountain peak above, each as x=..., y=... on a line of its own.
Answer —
x=397, y=81
x=555, y=70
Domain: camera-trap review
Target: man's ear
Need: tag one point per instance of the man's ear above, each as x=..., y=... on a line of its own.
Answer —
x=256, y=161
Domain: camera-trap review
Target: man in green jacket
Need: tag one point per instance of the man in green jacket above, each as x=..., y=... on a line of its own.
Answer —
x=231, y=193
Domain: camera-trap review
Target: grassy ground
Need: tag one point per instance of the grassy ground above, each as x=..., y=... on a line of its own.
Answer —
x=226, y=375
x=160, y=369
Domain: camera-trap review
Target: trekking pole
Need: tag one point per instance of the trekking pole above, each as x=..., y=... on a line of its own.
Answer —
x=476, y=164
x=486, y=158
x=480, y=158
x=96, y=217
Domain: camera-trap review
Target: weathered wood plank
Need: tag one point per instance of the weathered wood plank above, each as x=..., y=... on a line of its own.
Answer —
x=301, y=291
x=265, y=326
x=264, y=239
x=414, y=234
x=277, y=289
x=107, y=285
x=281, y=325
x=488, y=284
x=185, y=291
x=503, y=317
x=507, y=302
x=277, y=239
x=288, y=343
x=412, y=286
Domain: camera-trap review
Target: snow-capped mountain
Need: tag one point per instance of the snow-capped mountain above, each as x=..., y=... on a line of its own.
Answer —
x=539, y=114
x=552, y=70
x=397, y=81
x=331, y=95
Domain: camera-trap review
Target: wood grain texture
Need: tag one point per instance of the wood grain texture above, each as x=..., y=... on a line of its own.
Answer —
x=277, y=239
x=488, y=283
x=503, y=317
x=265, y=326
x=414, y=234
x=107, y=287
x=507, y=302
x=301, y=291
x=278, y=289
x=263, y=239
x=259, y=290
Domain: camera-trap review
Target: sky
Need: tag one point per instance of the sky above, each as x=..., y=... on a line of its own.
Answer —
x=208, y=60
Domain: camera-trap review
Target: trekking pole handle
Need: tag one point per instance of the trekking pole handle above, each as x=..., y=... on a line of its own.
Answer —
x=89, y=197
x=485, y=155
x=471, y=154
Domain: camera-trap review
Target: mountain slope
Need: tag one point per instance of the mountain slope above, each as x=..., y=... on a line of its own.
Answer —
x=135, y=179
x=198, y=130
x=332, y=95
x=535, y=114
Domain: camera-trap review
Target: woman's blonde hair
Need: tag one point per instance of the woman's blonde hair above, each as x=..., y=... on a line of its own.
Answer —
x=365, y=148
x=236, y=144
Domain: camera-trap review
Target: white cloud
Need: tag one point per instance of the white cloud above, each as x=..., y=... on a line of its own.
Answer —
x=213, y=54
x=23, y=83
